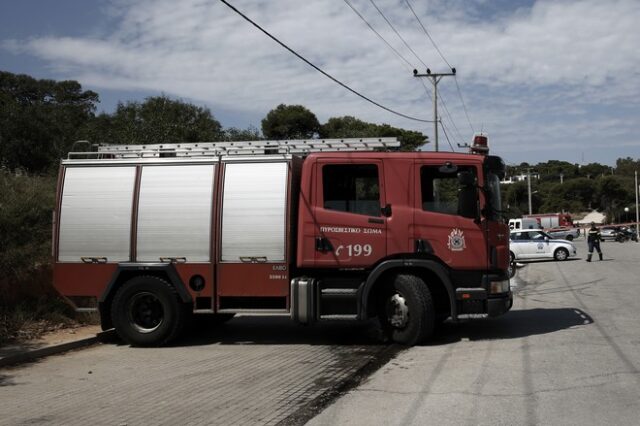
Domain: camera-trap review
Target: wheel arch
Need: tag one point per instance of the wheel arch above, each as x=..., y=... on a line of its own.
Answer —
x=435, y=276
x=561, y=248
x=125, y=272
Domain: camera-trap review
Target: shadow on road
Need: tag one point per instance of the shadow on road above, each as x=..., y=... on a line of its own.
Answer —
x=282, y=331
x=279, y=331
x=530, y=261
x=513, y=325
x=6, y=380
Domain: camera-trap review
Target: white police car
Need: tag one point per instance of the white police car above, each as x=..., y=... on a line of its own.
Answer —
x=536, y=244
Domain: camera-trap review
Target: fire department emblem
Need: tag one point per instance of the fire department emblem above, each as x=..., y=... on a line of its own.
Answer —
x=456, y=240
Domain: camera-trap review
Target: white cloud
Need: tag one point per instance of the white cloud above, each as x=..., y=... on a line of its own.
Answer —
x=541, y=73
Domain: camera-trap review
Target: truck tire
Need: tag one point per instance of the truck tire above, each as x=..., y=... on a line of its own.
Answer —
x=406, y=311
x=146, y=311
x=561, y=254
x=512, y=269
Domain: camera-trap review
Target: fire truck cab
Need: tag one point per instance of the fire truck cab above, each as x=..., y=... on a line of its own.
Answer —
x=319, y=230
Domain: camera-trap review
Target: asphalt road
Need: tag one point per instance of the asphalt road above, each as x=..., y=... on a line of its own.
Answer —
x=568, y=353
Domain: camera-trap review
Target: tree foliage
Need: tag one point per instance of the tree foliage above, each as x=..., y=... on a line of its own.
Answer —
x=351, y=127
x=157, y=120
x=290, y=122
x=40, y=120
x=235, y=134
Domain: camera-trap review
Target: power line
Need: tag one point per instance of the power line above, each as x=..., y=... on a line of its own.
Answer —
x=444, y=105
x=398, y=54
x=417, y=57
x=329, y=76
x=464, y=106
x=405, y=61
x=397, y=33
x=427, y=33
x=444, y=130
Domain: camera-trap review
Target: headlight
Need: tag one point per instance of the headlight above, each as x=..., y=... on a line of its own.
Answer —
x=499, y=286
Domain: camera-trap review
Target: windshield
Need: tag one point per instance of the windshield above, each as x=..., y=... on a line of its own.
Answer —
x=494, y=207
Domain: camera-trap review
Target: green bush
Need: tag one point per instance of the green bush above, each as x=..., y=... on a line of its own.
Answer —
x=26, y=208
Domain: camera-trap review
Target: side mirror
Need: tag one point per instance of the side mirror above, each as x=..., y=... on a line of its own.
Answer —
x=468, y=204
x=448, y=168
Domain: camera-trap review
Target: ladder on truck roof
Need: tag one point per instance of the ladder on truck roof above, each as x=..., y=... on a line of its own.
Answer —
x=209, y=149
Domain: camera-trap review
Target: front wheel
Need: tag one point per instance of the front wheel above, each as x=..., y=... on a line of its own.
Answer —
x=561, y=254
x=512, y=269
x=406, y=310
x=146, y=311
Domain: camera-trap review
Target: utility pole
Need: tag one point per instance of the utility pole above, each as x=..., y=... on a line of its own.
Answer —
x=637, y=213
x=529, y=188
x=435, y=79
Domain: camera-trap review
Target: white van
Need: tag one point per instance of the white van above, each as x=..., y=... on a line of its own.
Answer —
x=524, y=223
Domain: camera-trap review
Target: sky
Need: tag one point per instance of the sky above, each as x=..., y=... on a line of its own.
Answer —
x=546, y=80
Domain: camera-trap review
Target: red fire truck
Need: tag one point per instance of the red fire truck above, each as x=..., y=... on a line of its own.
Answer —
x=552, y=220
x=318, y=230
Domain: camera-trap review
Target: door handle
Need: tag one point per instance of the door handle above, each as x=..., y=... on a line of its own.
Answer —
x=253, y=259
x=323, y=244
x=375, y=220
x=89, y=259
x=179, y=259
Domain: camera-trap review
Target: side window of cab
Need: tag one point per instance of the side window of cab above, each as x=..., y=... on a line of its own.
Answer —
x=441, y=190
x=351, y=188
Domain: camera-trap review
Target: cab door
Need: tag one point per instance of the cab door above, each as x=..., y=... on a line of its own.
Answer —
x=349, y=213
x=539, y=244
x=439, y=228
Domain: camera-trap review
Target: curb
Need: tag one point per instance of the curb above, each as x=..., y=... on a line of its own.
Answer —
x=32, y=355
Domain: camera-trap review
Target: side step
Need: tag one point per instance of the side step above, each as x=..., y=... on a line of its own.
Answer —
x=339, y=317
x=339, y=292
x=314, y=300
x=338, y=304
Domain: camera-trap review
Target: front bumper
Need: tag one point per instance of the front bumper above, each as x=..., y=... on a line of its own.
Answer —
x=474, y=301
x=500, y=305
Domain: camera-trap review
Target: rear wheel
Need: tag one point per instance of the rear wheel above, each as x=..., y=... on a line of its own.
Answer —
x=569, y=237
x=146, y=311
x=406, y=310
x=561, y=254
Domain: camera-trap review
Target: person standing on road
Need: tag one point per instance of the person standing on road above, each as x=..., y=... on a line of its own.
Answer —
x=593, y=240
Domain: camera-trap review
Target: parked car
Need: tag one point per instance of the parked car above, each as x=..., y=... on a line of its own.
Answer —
x=537, y=244
x=608, y=233
x=618, y=233
x=568, y=234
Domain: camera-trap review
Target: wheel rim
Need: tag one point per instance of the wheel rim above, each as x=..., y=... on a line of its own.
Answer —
x=561, y=255
x=145, y=312
x=397, y=311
